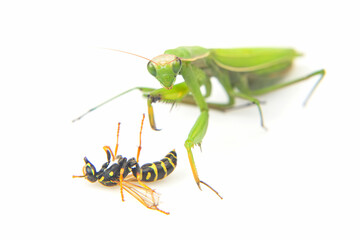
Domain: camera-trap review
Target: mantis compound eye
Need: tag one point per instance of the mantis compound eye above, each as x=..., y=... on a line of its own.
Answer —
x=151, y=68
x=176, y=65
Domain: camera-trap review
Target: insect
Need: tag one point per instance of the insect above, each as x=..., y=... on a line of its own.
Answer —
x=125, y=172
x=244, y=73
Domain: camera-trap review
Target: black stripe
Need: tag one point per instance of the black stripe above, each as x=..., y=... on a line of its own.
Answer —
x=161, y=171
x=170, y=162
x=173, y=156
x=146, y=169
x=168, y=165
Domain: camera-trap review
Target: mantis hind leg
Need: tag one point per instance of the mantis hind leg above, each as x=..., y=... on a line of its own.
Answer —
x=321, y=73
x=254, y=100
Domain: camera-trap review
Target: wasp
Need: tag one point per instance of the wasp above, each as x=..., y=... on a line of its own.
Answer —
x=128, y=174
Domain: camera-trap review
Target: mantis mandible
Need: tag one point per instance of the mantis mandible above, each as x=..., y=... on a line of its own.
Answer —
x=243, y=73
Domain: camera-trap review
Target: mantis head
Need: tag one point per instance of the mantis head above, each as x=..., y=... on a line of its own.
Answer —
x=165, y=68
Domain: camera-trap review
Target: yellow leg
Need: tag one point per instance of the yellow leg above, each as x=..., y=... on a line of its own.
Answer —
x=195, y=137
x=139, y=147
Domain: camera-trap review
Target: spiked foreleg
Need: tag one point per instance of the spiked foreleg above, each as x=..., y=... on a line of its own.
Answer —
x=176, y=94
x=198, y=131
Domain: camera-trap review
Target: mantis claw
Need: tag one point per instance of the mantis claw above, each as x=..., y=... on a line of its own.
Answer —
x=151, y=113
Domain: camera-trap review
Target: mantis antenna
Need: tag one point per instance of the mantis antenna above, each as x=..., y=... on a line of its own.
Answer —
x=116, y=50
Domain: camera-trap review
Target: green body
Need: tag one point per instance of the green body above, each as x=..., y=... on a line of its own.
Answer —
x=243, y=73
x=256, y=67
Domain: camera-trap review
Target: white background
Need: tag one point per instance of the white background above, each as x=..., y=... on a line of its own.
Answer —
x=298, y=180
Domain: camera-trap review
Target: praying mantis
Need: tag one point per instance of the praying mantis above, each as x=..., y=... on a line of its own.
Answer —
x=244, y=73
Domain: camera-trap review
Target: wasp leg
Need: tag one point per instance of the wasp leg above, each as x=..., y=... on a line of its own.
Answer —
x=139, y=147
x=105, y=165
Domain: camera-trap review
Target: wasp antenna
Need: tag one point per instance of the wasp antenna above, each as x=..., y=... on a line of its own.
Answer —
x=117, y=140
x=77, y=176
x=117, y=50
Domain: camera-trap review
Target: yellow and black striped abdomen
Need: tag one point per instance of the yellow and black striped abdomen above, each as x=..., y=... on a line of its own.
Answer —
x=158, y=170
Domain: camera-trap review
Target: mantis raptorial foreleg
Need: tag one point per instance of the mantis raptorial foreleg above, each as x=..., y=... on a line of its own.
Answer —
x=173, y=95
x=192, y=77
x=198, y=131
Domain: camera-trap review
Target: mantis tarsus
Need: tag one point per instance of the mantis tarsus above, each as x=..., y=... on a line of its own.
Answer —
x=243, y=73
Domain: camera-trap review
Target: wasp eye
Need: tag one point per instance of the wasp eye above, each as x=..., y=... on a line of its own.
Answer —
x=151, y=68
x=90, y=171
x=176, y=65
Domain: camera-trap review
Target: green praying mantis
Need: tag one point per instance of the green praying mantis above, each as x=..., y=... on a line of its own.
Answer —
x=243, y=73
